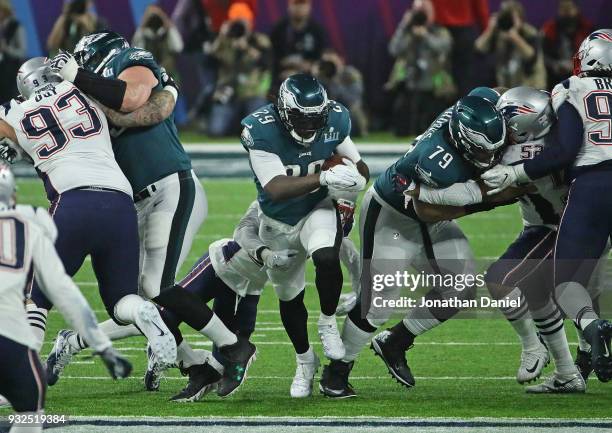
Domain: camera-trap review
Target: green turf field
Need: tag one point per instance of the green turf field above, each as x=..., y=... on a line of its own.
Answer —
x=465, y=368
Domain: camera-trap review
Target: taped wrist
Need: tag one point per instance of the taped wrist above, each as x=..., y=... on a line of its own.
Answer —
x=109, y=91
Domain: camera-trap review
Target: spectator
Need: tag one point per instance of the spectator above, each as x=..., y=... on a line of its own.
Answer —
x=562, y=37
x=217, y=10
x=420, y=79
x=344, y=84
x=516, y=45
x=465, y=20
x=244, y=59
x=158, y=35
x=76, y=20
x=298, y=41
x=12, y=50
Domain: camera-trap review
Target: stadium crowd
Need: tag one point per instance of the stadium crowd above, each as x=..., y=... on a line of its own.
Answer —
x=433, y=51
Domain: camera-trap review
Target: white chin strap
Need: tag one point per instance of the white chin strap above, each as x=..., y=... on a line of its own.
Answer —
x=302, y=140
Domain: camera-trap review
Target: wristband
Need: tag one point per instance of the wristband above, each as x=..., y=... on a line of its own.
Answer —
x=172, y=90
x=109, y=91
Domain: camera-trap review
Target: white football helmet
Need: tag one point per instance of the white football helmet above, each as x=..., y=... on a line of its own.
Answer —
x=528, y=112
x=594, y=54
x=36, y=75
x=8, y=188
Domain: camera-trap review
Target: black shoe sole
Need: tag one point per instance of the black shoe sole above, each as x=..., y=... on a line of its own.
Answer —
x=329, y=394
x=206, y=389
x=378, y=352
x=244, y=376
x=602, y=365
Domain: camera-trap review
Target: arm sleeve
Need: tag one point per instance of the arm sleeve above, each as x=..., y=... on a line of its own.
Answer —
x=349, y=255
x=65, y=295
x=570, y=132
x=458, y=194
x=266, y=166
x=247, y=231
x=349, y=149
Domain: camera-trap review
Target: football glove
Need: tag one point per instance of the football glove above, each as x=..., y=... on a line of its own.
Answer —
x=118, y=367
x=66, y=65
x=346, y=209
x=168, y=83
x=501, y=177
x=280, y=259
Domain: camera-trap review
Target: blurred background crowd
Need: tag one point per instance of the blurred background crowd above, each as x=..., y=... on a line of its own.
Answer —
x=393, y=63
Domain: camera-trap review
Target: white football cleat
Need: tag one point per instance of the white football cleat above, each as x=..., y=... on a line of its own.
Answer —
x=532, y=364
x=59, y=357
x=4, y=403
x=303, y=380
x=333, y=348
x=160, y=338
x=558, y=384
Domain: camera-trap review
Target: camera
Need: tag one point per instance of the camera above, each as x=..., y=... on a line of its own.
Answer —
x=505, y=20
x=328, y=68
x=237, y=29
x=419, y=19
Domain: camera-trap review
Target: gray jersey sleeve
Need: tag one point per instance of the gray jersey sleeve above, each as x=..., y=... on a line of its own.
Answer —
x=458, y=194
x=246, y=233
x=64, y=294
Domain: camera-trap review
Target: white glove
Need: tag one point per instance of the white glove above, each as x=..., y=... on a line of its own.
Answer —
x=501, y=177
x=342, y=177
x=66, y=65
x=280, y=259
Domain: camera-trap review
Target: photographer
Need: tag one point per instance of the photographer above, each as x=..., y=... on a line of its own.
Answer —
x=158, y=35
x=12, y=50
x=420, y=80
x=516, y=46
x=244, y=59
x=344, y=84
x=76, y=21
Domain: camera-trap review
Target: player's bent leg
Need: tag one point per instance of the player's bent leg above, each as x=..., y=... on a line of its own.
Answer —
x=22, y=382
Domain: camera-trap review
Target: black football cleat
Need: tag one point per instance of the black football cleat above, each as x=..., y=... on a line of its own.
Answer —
x=239, y=357
x=394, y=357
x=334, y=381
x=202, y=379
x=583, y=363
x=599, y=334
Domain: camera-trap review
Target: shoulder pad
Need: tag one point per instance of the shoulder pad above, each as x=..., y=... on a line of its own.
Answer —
x=340, y=118
x=134, y=57
x=562, y=91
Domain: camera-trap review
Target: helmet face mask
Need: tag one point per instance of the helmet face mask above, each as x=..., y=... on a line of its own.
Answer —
x=94, y=51
x=303, y=107
x=478, y=131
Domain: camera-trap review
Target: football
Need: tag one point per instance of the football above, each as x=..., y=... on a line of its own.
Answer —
x=332, y=161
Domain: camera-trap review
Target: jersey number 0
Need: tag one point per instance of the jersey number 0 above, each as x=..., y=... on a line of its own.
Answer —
x=43, y=122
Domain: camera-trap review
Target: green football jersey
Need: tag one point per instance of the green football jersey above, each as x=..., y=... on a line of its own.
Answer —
x=264, y=130
x=433, y=161
x=150, y=153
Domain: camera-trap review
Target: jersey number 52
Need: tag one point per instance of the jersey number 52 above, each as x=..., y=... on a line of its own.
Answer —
x=43, y=122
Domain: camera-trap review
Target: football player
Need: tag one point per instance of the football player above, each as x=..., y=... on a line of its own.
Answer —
x=582, y=104
x=524, y=270
x=26, y=242
x=288, y=143
x=169, y=199
x=66, y=137
x=462, y=141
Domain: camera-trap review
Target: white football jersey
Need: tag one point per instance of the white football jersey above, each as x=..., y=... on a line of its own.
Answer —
x=546, y=205
x=592, y=98
x=241, y=272
x=67, y=137
x=27, y=237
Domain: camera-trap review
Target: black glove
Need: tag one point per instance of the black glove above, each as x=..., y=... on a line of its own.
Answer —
x=167, y=80
x=118, y=367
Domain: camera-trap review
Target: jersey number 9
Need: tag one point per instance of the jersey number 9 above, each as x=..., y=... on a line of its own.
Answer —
x=598, y=107
x=43, y=122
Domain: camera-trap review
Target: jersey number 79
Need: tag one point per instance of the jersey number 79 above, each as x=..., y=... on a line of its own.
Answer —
x=43, y=122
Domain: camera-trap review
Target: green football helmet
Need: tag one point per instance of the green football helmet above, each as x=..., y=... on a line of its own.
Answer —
x=478, y=130
x=94, y=51
x=303, y=107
